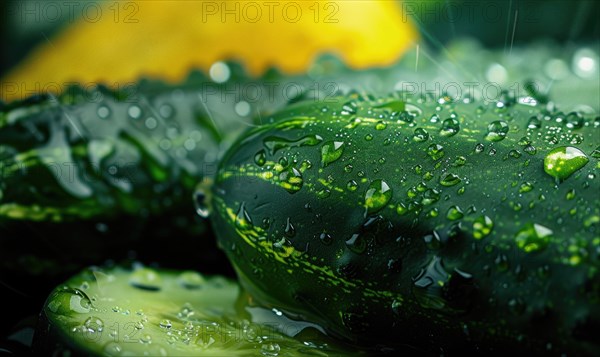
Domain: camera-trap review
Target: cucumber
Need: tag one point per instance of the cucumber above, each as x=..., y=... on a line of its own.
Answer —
x=409, y=222
x=148, y=312
x=92, y=175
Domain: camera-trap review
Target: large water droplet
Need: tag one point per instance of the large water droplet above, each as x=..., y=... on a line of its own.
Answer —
x=356, y=243
x=352, y=185
x=270, y=349
x=564, y=161
x=377, y=196
x=146, y=279
x=454, y=213
x=435, y=151
x=94, y=324
x=533, y=237
x=103, y=112
x=260, y=158
x=428, y=285
x=349, y=108
x=69, y=300
x=420, y=135
x=191, y=280
x=242, y=219
x=534, y=123
x=450, y=127
x=290, y=230
x=275, y=143
x=331, y=151
x=482, y=227
x=449, y=180
x=497, y=130
x=201, y=202
x=574, y=120
x=291, y=180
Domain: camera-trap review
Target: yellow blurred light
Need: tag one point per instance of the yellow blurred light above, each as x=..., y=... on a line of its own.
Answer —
x=164, y=39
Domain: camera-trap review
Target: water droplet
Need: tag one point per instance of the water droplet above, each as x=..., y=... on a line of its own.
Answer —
x=435, y=151
x=564, y=161
x=459, y=161
x=323, y=193
x=449, y=180
x=275, y=143
x=497, y=130
x=515, y=154
x=352, y=185
x=103, y=112
x=356, y=243
x=482, y=227
x=94, y=324
x=432, y=241
x=533, y=237
x=349, y=108
x=430, y=196
x=68, y=300
x=479, y=147
x=331, y=151
x=146, y=339
x=260, y=158
x=166, y=111
x=428, y=285
x=531, y=150
x=151, y=123
x=270, y=349
x=291, y=180
x=325, y=238
x=377, y=196
x=574, y=120
x=369, y=137
x=401, y=209
x=201, y=203
x=242, y=108
x=534, y=123
x=596, y=153
x=219, y=72
x=420, y=135
x=381, y=125
x=450, y=127
x=526, y=187
x=134, y=112
x=290, y=230
x=146, y=279
x=454, y=213
x=242, y=220
x=191, y=280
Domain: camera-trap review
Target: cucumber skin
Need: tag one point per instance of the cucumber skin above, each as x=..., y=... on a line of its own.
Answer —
x=494, y=297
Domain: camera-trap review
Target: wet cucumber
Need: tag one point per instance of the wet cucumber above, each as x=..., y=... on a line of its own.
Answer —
x=148, y=312
x=408, y=222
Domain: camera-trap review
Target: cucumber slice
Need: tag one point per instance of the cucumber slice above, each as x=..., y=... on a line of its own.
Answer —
x=147, y=312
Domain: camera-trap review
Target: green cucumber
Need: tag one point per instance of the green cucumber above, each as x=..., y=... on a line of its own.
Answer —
x=419, y=222
x=148, y=312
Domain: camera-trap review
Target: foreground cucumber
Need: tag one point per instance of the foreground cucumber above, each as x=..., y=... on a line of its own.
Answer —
x=147, y=312
x=416, y=222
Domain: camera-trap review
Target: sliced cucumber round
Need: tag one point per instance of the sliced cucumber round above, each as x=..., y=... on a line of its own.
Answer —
x=147, y=312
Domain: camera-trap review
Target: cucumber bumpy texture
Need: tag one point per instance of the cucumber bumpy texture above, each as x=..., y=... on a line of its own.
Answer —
x=412, y=222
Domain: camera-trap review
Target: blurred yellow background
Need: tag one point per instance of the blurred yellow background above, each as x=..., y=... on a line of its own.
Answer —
x=119, y=42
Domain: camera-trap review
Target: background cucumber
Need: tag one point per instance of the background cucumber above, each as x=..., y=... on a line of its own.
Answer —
x=147, y=312
x=419, y=222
